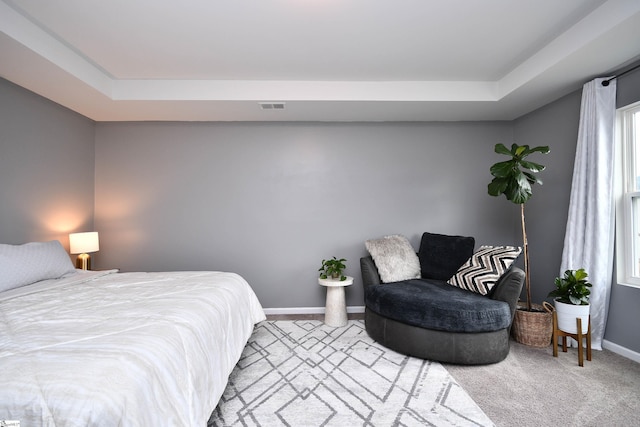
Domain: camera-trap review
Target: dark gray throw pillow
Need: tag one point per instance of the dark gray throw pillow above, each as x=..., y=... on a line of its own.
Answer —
x=441, y=255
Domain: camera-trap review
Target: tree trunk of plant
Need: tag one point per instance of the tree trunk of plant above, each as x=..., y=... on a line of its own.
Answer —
x=526, y=258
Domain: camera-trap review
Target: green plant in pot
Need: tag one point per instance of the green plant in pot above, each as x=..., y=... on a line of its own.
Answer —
x=514, y=178
x=333, y=268
x=571, y=300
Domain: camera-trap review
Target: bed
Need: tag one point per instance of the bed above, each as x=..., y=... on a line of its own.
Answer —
x=103, y=348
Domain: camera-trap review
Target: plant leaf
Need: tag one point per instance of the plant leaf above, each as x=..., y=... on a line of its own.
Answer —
x=503, y=169
x=581, y=274
x=518, y=189
x=532, y=178
x=522, y=151
x=544, y=149
x=497, y=186
x=533, y=167
x=501, y=149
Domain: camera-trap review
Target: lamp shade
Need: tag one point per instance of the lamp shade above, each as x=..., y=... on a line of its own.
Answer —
x=82, y=243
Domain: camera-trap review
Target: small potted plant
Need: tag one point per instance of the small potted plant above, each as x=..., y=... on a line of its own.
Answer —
x=333, y=268
x=571, y=300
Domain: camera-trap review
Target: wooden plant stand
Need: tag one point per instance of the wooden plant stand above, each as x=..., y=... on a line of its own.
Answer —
x=578, y=337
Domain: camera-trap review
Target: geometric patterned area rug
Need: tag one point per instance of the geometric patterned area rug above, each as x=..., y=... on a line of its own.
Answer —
x=303, y=373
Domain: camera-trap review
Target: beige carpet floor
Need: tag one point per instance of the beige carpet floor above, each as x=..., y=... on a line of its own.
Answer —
x=532, y=388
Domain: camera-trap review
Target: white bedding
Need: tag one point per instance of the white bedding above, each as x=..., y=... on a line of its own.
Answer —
x=125, y=349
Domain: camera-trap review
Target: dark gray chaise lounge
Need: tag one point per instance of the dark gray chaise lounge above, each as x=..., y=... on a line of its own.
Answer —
x=430, y=319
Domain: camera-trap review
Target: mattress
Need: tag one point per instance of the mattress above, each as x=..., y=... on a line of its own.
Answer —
x=126, y=349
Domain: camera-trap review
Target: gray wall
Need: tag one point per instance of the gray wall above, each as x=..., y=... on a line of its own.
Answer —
x=270, y=201
x=46, y=168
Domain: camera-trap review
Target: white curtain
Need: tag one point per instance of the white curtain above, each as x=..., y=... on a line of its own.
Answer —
x=589, y=237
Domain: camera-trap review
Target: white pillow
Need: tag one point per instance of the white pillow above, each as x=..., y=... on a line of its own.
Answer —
x=395, y=258
x=22, y=265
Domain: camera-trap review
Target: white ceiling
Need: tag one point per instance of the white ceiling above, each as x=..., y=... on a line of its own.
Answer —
x=327, y=60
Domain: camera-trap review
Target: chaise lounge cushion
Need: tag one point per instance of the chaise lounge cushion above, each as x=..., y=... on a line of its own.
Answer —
x=436, y=305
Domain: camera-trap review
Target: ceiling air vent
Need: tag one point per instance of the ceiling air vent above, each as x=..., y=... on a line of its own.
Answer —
x=272, y=105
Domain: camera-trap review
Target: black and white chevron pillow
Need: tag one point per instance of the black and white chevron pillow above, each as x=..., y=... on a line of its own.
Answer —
x=481, y=272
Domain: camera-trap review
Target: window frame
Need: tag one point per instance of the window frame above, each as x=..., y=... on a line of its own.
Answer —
x=627, y=189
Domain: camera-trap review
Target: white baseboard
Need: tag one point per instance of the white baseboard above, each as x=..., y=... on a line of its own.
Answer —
x=308, y=310
x=622, y=351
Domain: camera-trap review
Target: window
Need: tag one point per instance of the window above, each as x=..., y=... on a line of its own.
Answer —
x=628, y=204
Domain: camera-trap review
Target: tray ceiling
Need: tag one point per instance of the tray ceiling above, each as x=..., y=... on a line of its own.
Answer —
x=321, y=60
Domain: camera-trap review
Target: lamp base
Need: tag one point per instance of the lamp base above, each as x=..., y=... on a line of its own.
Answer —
x=83, y=261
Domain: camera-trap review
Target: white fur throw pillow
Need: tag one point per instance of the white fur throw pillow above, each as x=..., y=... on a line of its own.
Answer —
x=395, y=258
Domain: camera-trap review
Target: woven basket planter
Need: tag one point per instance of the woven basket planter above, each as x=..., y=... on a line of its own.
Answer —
x=533, y=328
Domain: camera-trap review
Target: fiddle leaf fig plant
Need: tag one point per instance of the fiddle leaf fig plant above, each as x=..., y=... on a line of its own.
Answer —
x=514, y=178
x=572, y=288
x=333, y=268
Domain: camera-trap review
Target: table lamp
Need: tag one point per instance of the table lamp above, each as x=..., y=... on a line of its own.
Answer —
x=82, y=244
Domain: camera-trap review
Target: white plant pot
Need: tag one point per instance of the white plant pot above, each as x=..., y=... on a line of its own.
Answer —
x=567, y=315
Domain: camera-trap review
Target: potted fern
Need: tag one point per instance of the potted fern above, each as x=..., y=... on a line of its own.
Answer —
x=532, y=325
x=333, y=268
x=571, y=300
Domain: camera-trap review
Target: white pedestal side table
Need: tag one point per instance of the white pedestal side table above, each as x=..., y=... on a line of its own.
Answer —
x=335, y=313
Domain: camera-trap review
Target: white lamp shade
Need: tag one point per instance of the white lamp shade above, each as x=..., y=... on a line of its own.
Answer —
x=83, y=243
